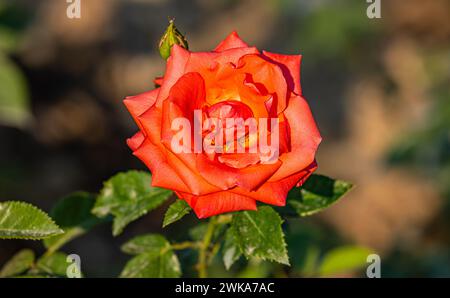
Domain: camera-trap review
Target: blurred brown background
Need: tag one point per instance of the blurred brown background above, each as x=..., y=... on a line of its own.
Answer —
x=379, y=89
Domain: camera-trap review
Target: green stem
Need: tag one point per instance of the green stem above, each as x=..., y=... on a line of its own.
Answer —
x=185, y=245
x=213, y=252
x=201, y=266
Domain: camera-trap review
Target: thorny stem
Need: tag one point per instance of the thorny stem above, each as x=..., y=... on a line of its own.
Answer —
x=201, y=266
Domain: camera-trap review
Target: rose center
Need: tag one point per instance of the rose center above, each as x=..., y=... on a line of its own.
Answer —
x=229, y=109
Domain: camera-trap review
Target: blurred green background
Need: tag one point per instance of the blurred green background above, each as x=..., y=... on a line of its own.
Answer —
x=379, y=89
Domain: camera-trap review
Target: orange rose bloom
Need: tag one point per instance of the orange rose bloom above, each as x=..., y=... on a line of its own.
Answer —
x=232, y=81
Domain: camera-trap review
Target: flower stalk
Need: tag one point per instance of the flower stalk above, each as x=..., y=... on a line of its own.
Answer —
x=203, y=251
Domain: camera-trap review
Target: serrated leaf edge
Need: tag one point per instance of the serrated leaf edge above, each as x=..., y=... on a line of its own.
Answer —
x=57, y=231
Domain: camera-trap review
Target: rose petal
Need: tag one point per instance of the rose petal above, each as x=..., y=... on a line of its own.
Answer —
x=290, y=65
x=182, y=61
x=305, y=139
x=226, y=82
x=163, y=174
x=217, y=203
x=231, y=41
x=140, y=103
x=188, y=94
x=175, y=68
x=136, y=141
x=226, y=177
x=267, y=74
x=275, y=193
x=239, y=160
x=185, y=96
x=182, y=164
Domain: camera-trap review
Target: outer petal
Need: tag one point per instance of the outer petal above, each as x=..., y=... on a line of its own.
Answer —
x=226, y=177
x=162, y=173
x=217, y=203
x=136, y=141
x=275, y=193
x=175, y=68
x=203, y=62
x=305, y=139
x=196, y=184
x=230, y=42
x=138, y=104
x=151, y=124
x=290, y=65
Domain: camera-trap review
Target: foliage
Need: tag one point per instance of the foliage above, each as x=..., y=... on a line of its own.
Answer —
x=256, y=235
x=128, y=197
x=317, y=193
x=176, y=212
x=259, y=234
x=14, y=98
x=154, y=258
x=73, y=214
x=19, y=263
x=23, y=221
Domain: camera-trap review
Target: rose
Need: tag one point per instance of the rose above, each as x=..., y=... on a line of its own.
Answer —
x=232, y=81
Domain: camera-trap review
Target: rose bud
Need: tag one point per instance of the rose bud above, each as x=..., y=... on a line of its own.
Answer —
x=171, y=37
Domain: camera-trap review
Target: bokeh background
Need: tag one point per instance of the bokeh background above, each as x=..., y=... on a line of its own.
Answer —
x=379, y=89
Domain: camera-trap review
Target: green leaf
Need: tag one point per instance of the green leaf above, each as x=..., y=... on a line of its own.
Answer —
x=231, y=250
x=146, y=243
x=344, y=259
x=155, y=257
x=24, y=221
x=19, y=263
x=316, y=194
x=75, y=210
x=73, y=214
x=259, y=234
x=175, y=212
x=128, y=196
x=150, y=265
x=55, y=264
x=14, y=102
